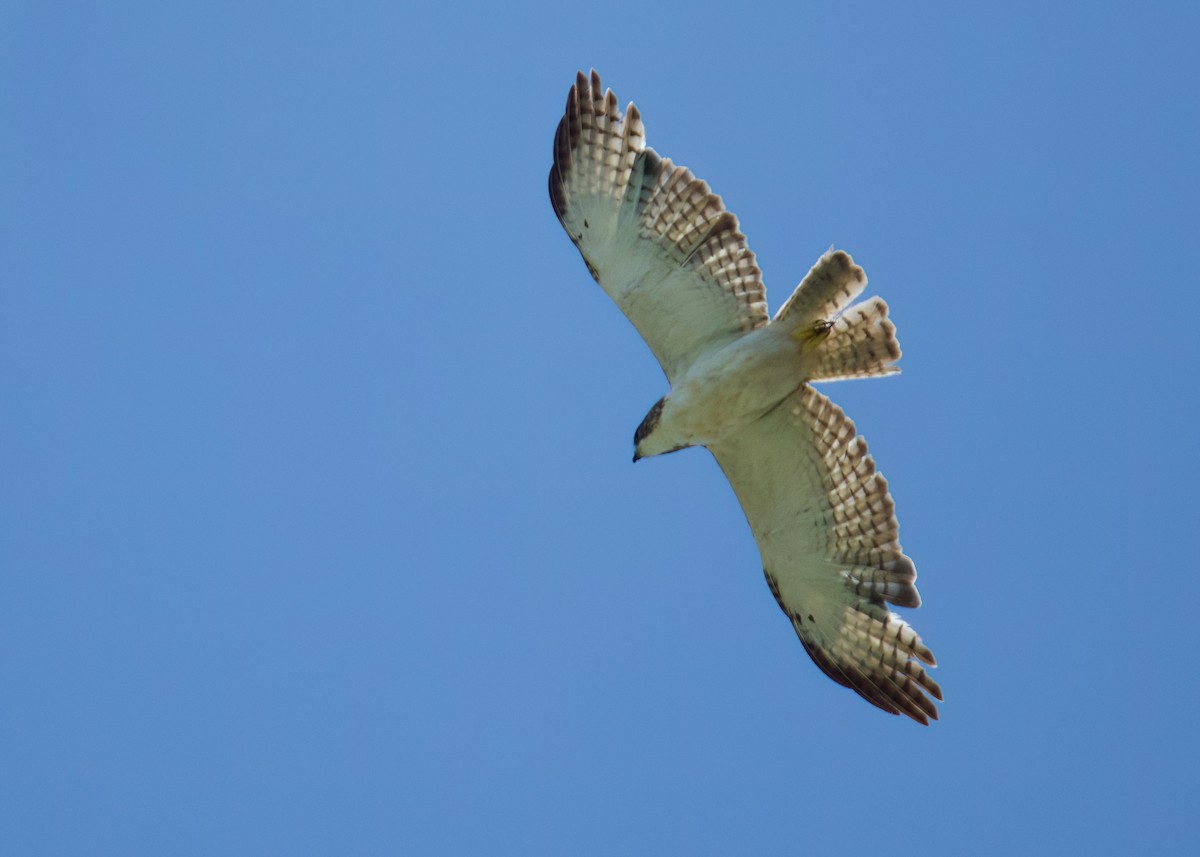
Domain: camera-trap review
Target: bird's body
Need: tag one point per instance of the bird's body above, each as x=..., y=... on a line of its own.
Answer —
x=666, y=250
x=727, y=389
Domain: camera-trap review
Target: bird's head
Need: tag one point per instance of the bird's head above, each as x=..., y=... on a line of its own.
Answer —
x=653, y=437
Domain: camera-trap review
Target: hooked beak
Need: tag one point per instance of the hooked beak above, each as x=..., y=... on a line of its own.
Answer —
x=636, y=456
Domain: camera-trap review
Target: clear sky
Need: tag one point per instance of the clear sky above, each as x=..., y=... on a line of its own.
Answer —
x=318, y=528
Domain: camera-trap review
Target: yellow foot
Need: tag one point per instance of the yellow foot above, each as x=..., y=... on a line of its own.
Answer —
x=812, y=335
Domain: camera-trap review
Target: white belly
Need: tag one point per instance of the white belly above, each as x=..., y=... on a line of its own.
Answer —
x=732, y=387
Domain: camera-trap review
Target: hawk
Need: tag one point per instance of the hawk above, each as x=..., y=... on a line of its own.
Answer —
x=662, y=245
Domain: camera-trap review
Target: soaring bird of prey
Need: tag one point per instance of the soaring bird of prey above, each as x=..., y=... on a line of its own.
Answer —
x=662, y=245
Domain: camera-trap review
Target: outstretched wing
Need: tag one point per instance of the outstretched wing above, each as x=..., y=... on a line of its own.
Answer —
x=653, y=235
x=826, y=527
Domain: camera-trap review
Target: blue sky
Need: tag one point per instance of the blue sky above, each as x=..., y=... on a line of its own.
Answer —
x=318, y=530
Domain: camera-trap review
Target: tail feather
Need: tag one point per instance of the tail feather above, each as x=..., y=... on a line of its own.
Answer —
x=826, y=290
x=861, y=344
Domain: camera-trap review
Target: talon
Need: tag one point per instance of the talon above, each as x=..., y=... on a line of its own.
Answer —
x=812, y=334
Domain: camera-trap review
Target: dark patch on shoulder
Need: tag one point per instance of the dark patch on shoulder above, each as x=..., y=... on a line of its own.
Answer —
x=773, y=584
